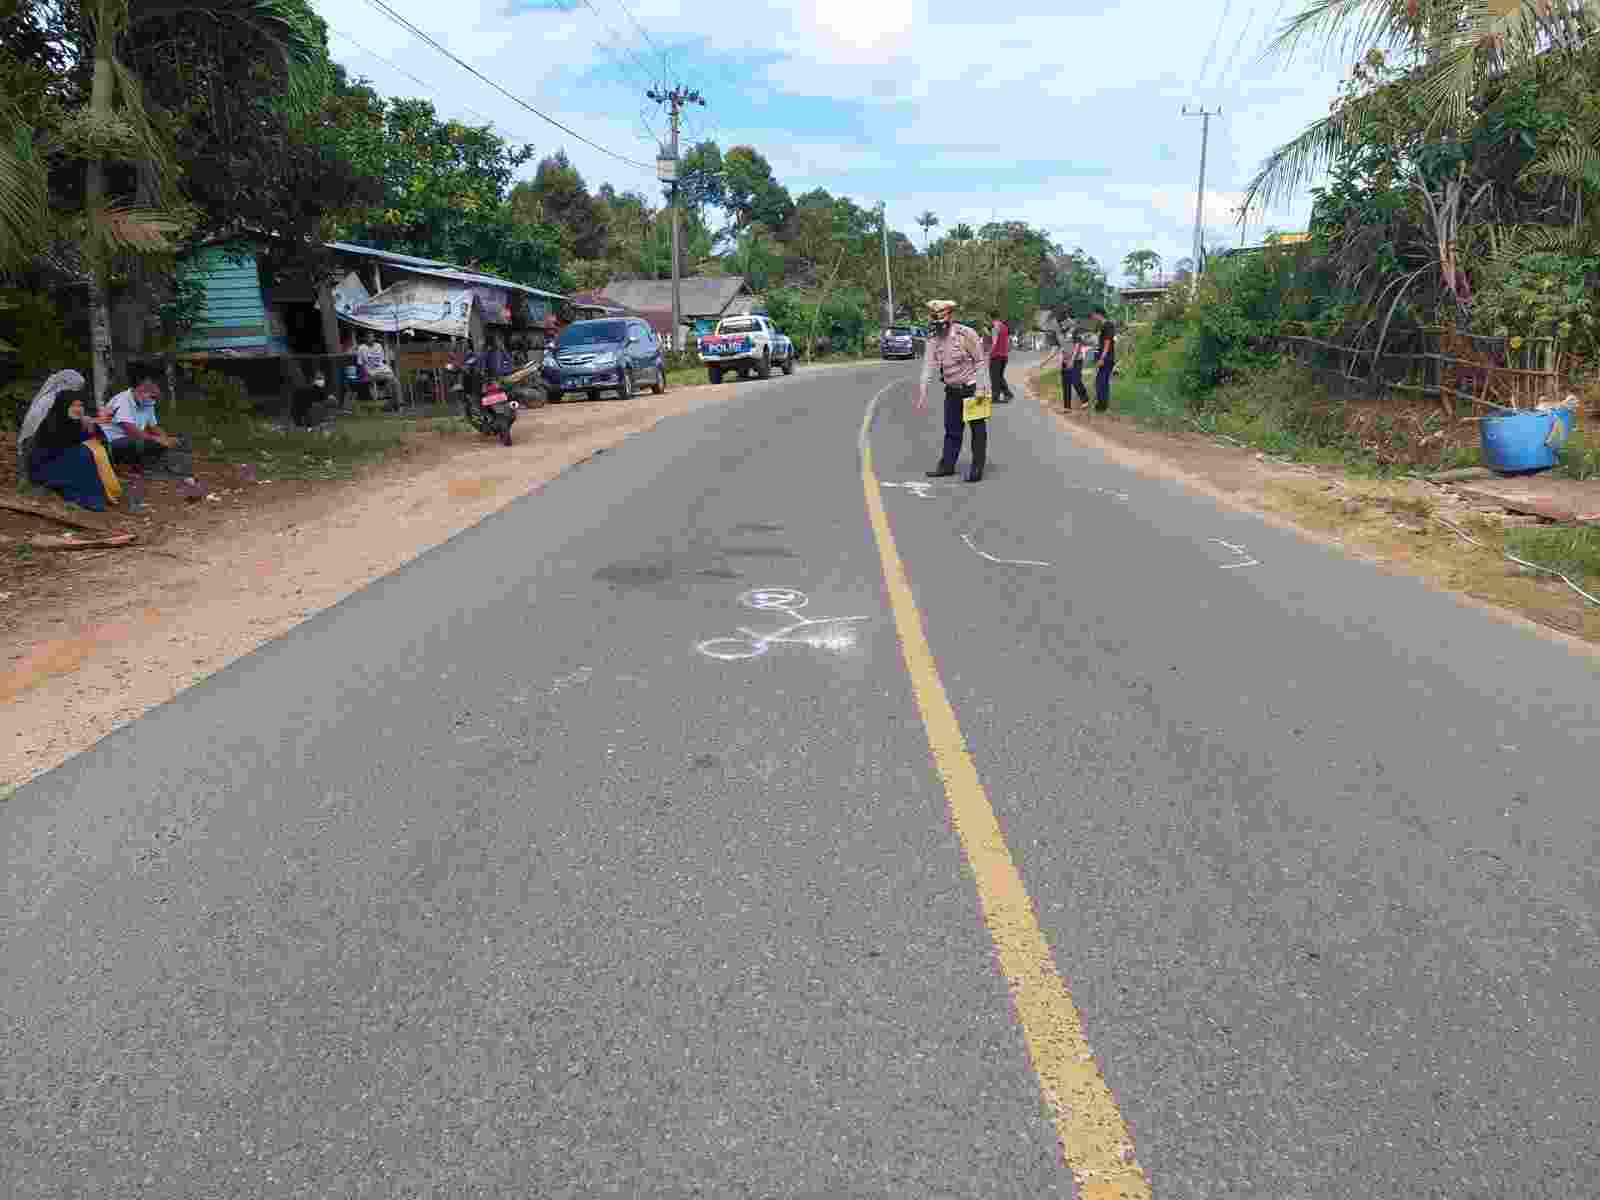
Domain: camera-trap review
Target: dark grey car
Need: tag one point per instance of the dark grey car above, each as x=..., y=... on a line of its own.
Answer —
x=903, y=341
x=620, y=354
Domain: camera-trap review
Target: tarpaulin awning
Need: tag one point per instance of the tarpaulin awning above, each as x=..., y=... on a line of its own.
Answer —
x=349, y=292
x=420, y=305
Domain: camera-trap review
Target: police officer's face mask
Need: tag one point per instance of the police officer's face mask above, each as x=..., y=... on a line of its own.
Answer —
x=940, y=326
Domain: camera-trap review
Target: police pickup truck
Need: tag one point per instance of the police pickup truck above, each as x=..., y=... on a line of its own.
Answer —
x=750, y=344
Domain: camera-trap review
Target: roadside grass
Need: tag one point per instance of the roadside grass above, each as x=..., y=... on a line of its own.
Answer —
x=1390, y=520
x=354, y=439
x=1580, y=457
x=1572, y=550
x=1367, y=501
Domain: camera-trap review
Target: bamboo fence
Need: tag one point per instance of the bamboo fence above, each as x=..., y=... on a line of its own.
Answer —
x=1484, y=373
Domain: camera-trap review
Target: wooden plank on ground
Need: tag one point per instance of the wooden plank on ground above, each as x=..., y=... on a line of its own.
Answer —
x=76, y=518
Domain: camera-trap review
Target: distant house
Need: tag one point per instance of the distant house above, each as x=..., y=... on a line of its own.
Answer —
x=704, y=299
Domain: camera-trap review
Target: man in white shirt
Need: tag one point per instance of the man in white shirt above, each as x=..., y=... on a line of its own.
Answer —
x=375, y=369
x=135, y=437
x=370, y=355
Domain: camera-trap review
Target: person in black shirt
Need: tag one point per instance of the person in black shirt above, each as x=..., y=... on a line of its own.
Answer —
x=1108, y=360
x=66, y=451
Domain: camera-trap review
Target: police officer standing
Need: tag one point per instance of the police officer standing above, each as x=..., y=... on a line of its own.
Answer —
x=956, y=354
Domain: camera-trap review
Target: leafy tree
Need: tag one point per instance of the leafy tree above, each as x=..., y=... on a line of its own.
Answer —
x=1140, y=263
x=700, y=178
x=445, y=188
x=756, y=257
x=1072, y=284
x=750, y=193
x=116, y=145
x=928, y=222
x=558, y=197
x=694, y=245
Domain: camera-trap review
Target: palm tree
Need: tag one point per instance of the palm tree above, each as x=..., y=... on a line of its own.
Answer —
x=24, y=199
x=1141, y=263
x=1454, y=44
x=928, y=221
x=1447, y=49
x=115, y=126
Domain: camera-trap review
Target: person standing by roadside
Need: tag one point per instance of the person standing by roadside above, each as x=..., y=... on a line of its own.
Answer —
x=1107, y=361
x=956, y=354
x=999, y=355
x=1072, y=351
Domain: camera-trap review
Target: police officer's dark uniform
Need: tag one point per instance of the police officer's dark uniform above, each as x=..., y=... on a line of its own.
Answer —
x=956, y=355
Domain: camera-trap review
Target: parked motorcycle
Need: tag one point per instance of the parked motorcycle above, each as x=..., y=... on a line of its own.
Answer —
x=497, y=411
x=486, y=407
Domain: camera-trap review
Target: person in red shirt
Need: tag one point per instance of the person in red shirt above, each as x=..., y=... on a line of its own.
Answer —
x=999, y=352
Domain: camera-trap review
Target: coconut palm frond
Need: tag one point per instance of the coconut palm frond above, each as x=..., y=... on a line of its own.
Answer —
x=1347, y=27
x=287, y=33
x=1573, y=163
x=1508, y=246
x=24, y=198
x=150, y=145
x=132, y=227
x=1449, y=87
x=1288, y=167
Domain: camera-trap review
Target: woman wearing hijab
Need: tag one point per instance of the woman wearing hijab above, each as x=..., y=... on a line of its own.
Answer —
x=60, y=446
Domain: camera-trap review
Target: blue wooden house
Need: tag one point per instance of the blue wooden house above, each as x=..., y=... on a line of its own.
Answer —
x=234, y=313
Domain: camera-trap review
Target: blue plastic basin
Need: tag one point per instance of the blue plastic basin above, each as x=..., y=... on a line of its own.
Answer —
x=1522, y=441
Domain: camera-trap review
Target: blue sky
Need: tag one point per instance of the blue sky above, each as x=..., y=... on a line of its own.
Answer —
x=1066, y=116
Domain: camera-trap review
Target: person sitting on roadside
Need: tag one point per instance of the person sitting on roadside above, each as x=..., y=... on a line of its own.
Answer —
x=377, y=374
x=133, y=433
x=65, y=449
x=306, y=398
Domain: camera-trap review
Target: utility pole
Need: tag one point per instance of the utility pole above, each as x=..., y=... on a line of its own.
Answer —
x=888, y=279
x=667, y=172
x=1200, y=194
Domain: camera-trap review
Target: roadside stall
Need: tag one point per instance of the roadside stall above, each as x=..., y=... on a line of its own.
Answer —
x=425, y=324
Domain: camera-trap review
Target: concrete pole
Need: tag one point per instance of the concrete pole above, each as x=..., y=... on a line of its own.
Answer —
x=888, y=279
x=1200, y=194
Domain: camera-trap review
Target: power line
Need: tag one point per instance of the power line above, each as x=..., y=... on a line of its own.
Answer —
x=1248, y=21
x=649, y=78
x=645, y=33
x=425, y=85
x=1206, y=62
x=470, y=69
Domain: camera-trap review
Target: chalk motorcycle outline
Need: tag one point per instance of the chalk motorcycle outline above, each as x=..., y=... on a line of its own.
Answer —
x=787, y=601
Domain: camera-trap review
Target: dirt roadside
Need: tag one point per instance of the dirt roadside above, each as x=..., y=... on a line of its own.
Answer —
x=1398, y=524
x=246, y=575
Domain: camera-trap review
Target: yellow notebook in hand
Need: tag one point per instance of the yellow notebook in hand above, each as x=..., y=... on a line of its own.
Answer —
x=977, y=408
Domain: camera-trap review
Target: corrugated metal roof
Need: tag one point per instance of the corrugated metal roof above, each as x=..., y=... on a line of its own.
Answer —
x=702, y=295
x=385, y=255
x=443, y=270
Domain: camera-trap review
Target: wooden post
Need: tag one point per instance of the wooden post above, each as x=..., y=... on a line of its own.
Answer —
x=330, y=319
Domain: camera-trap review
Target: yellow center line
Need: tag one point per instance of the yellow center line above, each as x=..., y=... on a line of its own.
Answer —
x=1095, y=1142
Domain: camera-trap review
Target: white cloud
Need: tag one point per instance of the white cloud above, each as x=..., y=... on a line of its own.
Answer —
x=950, y=100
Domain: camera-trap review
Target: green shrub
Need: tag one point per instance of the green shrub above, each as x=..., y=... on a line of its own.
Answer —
x=221, y=395
x=1580, y=457
x=32, y=324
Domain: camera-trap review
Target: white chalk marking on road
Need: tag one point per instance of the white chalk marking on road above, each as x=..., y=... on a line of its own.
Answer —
x=1010, y=562
x=581, y=675
x=819, y=633
x=916, y=487
x=1241, y=552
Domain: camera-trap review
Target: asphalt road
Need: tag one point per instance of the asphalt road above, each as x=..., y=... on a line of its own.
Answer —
x=494, y=880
